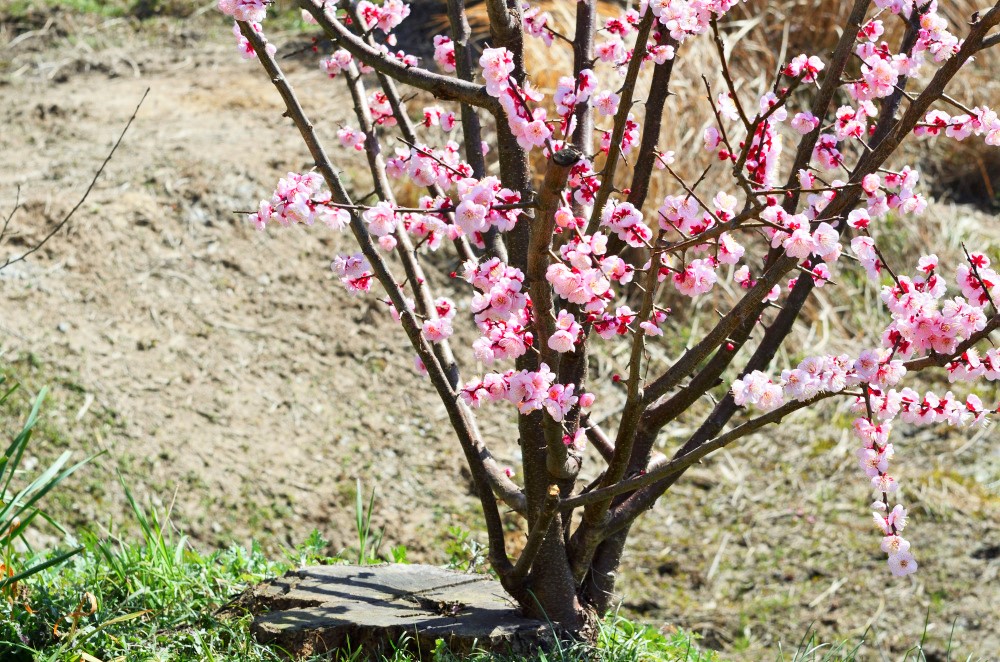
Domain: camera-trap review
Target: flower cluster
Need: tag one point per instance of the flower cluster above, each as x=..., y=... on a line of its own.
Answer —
x=501, y=310
x=248, y=11
x=354, y=271
x=427, y=166
x=528, y=391
x=629, y=139
x=608, y=326
x=805, y=66
x=300, y=199
x=585, y=273
x=536, y=23
x=527, y=125
x=922, y=319
x=684, y=19
x=873, y=457
x=478, y=209
x=626, y=222
x=981, y=121
x=438, y=116
x=385, y=17
x=333, y=65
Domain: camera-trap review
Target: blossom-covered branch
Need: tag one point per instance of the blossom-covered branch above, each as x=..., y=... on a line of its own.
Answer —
x=554, y=256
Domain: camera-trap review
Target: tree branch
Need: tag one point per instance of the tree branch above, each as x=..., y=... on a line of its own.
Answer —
x=559, y=464
x=409, y=132
x=442, y=87
x=598, y=438
x=61, y=224
x=659, y=91
x=457, y=413
x=679, y=463
x=621, y=118
x=583, y=54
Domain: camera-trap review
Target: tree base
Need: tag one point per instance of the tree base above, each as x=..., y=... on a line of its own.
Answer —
x=330, y=608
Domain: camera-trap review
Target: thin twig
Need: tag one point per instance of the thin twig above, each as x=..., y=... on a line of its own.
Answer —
x=17, y=204
x=682, y=462
x=460, y=417
x=59, y=226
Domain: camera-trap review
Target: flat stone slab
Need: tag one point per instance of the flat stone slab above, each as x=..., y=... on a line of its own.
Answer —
x=326, y=608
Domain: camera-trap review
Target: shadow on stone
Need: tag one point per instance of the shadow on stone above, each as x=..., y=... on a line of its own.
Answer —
x=328, y=608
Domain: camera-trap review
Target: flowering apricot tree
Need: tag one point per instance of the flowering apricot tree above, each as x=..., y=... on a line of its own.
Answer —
x=555, y=264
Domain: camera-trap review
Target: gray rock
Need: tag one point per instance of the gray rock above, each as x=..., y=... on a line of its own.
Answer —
x=327, y=608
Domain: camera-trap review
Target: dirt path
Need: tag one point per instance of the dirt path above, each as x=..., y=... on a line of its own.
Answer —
x=227, y=373
x=229, y=360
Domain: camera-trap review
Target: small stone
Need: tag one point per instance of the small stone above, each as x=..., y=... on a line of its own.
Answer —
x=322, y=609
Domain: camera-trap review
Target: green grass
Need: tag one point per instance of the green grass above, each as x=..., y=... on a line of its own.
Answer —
x=108, y=8
x=159, y=599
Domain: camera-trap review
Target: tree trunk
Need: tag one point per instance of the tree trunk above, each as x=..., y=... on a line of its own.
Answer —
x=550, y=592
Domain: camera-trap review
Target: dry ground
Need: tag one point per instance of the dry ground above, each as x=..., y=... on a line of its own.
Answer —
x=229, y=377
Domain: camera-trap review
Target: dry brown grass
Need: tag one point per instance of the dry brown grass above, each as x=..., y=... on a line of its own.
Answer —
x=760, y=36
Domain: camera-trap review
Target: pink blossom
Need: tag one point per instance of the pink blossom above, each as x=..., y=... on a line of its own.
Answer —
x=559, y=400
x=385, y=17
x=730, y=251
x=444, y=53
x=437, y=329
x=799, y=244
x=381, y=219
x=354, y=272
x=352, y=138
x=606, y=103
x=566, y=334
x=698, y=277
x=534, y=134
x=248, y=11
x=880, y=75
x=712, y=139
x=726, y=106
x=471, y=217
x=902, y=564
x=805, y=66
x=893, y=544
x=497, y=64
x=805, y=122
x=610, y=50
x=626, y=221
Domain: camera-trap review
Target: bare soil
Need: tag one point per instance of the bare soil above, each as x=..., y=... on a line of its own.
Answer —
x=229, y=377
